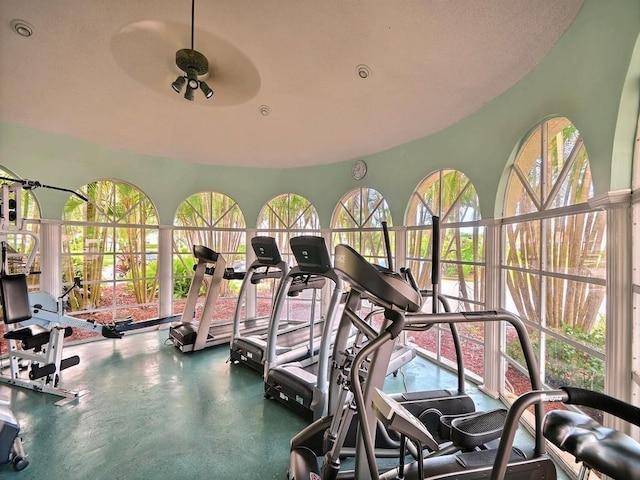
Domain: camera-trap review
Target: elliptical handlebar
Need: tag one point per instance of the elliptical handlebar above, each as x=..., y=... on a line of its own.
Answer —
x=589, y=398
x=386, y=288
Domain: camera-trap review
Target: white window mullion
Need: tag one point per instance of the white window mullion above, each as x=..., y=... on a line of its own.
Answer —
x=542, y=300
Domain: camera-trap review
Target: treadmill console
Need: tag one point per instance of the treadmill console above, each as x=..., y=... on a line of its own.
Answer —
x=311, y=253
x=395, y=417
x=266, y=250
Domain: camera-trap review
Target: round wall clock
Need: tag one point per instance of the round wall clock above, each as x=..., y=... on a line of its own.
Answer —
x=359, y=169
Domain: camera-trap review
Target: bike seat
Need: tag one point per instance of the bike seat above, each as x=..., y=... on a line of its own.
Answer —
x=603, y=449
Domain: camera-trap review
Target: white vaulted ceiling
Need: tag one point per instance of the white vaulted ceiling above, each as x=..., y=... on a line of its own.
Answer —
x=101, y=71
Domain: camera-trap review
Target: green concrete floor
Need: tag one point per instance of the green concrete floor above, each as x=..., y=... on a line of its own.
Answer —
x=154, y=413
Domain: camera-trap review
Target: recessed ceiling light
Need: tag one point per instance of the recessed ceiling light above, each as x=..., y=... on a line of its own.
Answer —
x=363, y=71
x=22, y=28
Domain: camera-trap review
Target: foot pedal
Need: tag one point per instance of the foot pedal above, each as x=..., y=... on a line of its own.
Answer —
x=444, y=428
x=477, y=429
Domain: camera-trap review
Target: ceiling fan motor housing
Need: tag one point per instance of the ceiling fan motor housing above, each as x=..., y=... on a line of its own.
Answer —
x=188, y=58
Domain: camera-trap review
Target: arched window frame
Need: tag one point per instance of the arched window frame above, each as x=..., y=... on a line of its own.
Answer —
x=357, y=222
x=449, y=195
x=635, y=202
x=111, y=243
x=553, y=259
x=216, y=221
x=283, y=217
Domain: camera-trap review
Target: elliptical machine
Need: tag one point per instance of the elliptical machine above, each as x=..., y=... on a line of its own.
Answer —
x=471, y=453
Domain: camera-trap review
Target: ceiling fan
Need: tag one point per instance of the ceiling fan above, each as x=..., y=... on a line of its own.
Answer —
x=193, y=64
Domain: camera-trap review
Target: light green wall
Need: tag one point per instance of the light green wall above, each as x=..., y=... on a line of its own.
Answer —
x=583, y=77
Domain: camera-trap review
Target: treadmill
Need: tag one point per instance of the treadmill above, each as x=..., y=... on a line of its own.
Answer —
x=303, y=385
x=191, y=335
x=268, y=265
x=290, y=340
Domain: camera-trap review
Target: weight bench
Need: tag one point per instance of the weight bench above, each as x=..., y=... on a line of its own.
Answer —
x=40, y=335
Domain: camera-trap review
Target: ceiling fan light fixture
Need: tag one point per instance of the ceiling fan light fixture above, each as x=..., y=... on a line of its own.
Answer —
x=188, y=94
x=178, y=84
x=194, y=64
x=208, y=93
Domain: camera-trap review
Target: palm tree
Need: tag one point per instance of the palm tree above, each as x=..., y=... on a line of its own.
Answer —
x=550, y=174
x=111, y=224
x=357, y=222
x=449, y=195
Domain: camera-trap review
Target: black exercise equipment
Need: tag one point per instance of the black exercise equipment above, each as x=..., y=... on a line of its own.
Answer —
x=303, y=385
x=268, y=265
x=288, y=340
x=366, y=374
x=596, y=447
x=193, y=334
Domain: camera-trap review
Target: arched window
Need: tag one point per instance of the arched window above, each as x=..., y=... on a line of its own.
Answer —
x=214, y=220
x=554, y=258
x=286, y=216
x=357, y=222
x=111, y=243
x=449, y=195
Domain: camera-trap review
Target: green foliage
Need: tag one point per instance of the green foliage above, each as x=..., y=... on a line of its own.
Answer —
x=151, y=282
x=466, y=254
x=566, y=364
x=182, y=275
x=182, y=272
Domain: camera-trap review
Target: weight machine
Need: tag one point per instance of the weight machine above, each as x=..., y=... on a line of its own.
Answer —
x=35, y=323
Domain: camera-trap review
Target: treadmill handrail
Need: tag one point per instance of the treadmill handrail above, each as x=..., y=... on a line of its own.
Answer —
x=283, y=291
x=251, y=271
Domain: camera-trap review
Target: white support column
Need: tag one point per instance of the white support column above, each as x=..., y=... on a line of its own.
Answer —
x=619, y=326
x=252, y=290
x=165, y=271
x=50, y=257
x=494, y=368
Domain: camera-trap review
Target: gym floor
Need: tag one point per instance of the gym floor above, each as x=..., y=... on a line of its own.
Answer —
x=154, y=413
